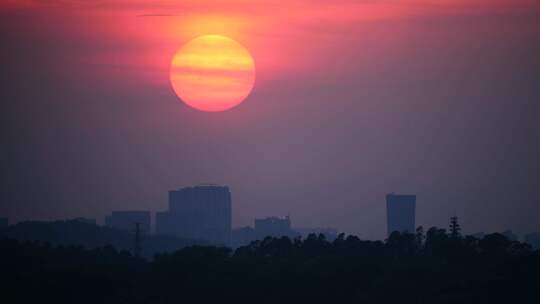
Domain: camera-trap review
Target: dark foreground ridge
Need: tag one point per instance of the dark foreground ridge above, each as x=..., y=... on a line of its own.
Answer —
x=406, y=268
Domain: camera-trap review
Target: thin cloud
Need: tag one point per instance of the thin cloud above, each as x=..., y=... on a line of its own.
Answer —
x=160, y=15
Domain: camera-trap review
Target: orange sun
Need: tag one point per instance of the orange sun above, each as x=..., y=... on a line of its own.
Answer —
x=212, y=73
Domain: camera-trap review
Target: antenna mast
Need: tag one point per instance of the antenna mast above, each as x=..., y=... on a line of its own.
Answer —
x=137, y=248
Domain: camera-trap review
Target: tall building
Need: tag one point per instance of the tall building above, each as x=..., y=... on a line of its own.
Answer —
x=274, y=227
x=202, y=212
x=127, y=220
x=400, y=213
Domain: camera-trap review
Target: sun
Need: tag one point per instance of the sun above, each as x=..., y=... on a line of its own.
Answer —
x=212, y=73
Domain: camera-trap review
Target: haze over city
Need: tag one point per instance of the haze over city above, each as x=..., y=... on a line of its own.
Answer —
x=241, y=151
x=351, y=100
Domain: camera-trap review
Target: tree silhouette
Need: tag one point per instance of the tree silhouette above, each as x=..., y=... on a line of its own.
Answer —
x=280, y=270
x=455, y=229
x=419, y=237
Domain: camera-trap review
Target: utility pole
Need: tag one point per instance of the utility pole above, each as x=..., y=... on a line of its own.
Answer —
x=137, y=248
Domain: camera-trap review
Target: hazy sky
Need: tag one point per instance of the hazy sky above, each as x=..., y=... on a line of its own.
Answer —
x=352, y=100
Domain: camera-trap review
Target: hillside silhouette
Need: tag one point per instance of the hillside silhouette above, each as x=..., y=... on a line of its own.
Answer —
x=77, y=233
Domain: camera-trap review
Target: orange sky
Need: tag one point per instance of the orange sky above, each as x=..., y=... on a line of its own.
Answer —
x=299, y=37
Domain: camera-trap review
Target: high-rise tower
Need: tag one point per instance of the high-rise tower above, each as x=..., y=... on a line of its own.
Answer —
x=201, y=212
x=400, y=213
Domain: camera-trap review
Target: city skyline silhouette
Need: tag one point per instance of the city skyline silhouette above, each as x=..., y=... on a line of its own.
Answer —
x=239, y=151
x=359, y=100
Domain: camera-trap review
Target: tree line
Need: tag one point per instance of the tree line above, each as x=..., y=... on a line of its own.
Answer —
x=436, y=266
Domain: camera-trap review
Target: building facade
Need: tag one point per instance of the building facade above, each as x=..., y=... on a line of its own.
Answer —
x=201, y=212
x=400, y=213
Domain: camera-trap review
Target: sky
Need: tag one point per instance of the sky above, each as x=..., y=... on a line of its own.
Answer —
x=352, y=100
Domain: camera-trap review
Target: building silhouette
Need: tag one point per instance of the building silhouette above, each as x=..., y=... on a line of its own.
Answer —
x=202, y=212
x=85, y=220
x=533, y=239
x=274, y=227
x=400, y=213
x=242, y=236
x=127, y=220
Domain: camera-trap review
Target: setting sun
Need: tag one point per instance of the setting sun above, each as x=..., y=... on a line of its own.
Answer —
x=212, y=73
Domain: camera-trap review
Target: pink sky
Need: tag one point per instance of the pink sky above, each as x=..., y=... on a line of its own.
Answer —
x=299, y=37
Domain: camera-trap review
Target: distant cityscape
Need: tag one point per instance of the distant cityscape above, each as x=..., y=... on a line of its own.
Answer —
x=204, y=212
